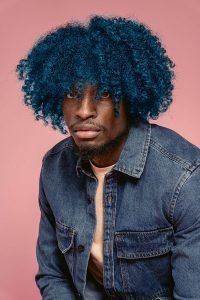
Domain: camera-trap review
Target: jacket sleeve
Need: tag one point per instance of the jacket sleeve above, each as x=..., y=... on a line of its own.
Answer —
x=186, y=251
x=52, y=279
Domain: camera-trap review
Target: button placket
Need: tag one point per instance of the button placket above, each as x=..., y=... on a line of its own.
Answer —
x=110, y=192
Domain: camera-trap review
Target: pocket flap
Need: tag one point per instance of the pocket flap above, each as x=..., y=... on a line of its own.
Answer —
x=65, y=237
x=143, y=244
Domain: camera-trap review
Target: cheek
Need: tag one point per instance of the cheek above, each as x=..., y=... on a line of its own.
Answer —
x=105, y=112
x=66, y=117
x=68, y=113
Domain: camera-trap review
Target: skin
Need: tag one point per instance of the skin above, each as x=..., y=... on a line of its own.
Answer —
x=103, y=141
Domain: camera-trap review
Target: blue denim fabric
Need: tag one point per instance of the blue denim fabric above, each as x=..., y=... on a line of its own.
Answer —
x=151, y=219
x=93, y=290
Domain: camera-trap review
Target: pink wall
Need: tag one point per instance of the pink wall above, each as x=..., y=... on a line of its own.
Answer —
x=25, y=141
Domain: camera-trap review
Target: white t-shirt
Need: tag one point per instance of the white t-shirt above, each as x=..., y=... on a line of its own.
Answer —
x=97, y=245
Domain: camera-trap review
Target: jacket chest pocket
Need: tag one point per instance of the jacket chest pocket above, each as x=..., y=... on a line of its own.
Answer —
x=144, y=259
x=65, y=237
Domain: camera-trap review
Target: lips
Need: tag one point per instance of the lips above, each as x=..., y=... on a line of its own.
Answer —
x=86, y=131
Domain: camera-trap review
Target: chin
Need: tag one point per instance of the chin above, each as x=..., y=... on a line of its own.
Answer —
x=89, y=144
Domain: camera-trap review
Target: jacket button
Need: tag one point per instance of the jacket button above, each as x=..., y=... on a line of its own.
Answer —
x=81, y=248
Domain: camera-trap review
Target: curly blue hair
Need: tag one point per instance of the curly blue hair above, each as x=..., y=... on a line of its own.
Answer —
x=115, y=54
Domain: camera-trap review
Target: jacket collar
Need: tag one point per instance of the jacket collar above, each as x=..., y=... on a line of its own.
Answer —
x=133, y=156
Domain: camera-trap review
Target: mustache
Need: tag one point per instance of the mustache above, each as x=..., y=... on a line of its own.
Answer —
x=90, y=123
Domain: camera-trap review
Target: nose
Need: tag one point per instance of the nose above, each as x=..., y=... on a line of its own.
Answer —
x=86, y=107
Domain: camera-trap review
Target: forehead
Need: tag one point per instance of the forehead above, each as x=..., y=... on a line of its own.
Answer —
x=88, y=88
x=85, y=87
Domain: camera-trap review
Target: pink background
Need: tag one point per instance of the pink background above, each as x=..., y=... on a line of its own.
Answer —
x=25, y=141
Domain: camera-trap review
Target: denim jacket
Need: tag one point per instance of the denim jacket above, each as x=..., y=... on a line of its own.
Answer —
x=151, y=242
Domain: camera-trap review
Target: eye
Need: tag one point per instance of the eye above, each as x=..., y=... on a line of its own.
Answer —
x=71, y=94
x=106, y=95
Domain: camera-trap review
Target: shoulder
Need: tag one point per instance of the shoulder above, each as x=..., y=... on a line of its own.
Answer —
x=60, y=160
x=64, y=145
x=176, y=147
x=180, y=160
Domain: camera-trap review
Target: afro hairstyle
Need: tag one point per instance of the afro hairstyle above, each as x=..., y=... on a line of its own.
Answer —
x=115, y=54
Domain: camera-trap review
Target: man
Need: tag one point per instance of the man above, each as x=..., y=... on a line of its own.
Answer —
x=120, y=197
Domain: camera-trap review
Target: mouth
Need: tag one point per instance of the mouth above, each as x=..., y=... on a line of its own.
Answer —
x=86, y=131
x=86, y=134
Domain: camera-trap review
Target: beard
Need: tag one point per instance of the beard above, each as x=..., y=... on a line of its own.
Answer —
x=88, y=153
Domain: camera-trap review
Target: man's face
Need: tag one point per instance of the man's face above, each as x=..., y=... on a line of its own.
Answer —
x=92, y=123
